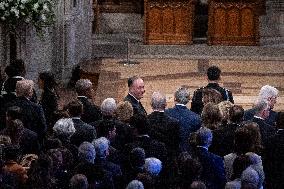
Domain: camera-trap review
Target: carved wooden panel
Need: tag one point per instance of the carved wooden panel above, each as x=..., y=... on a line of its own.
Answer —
x=168, y=22
x=233, y=23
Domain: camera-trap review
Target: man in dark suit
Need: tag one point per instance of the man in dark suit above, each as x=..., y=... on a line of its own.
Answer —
x=91, y=112
x=33, y=115
x=269, y=94
x=84, y=132
x=135, y=94
x=261, y=113
x=153, y=148
x=213, y=172
x=188, y=120
x=162, y=127
x=213, y=76
x=274, y=156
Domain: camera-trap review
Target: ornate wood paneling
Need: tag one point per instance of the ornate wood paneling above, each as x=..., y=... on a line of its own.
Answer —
x=168, y=22
x=233, y=23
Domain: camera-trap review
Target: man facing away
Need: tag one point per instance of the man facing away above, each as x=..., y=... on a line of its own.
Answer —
x=214, y=77
x=135, y=94
x=188, y=120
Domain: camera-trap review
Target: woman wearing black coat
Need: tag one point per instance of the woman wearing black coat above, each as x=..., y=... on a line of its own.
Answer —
x=49, y=96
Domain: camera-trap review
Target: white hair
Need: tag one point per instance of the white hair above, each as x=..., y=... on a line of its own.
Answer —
x=108, y=106
x=204, y=136
x=83, y=85
x=153, y=166
x=158, y=101
x=182, y=95
x=87, y=152
x=135, y=184
x=65, y=127
x=266, y=92
x=24, y=88
x=260, y=106
x=101, y=145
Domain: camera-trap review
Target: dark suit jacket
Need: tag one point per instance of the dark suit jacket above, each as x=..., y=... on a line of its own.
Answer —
x=223, y=139
x=137, y=106
x=91, y=112
x=95, y=174
x=266, y=130
x=274, y=161
x=33, y=115
x=213, y=172
x=123, y=131
x=84, y=132
x=114, y=169
x=197, y=104
x=189, y=123
x=271, y=120
x=165, y=129
x=153, y=148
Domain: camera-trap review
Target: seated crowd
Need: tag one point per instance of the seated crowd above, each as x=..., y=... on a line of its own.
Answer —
x=213, y=145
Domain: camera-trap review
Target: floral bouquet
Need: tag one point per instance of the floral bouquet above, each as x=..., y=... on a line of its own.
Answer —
x=19, y=13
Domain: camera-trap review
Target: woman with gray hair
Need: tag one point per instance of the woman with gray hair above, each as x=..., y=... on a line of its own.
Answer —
x=64, y=128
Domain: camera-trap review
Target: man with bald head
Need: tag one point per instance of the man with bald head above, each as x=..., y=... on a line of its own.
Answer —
x=135, y=94
x=162, y=127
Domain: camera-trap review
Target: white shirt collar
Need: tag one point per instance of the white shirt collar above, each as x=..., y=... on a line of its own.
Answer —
x=133, y=97
x=75, y=118
x=159, y=110
x=180, y=104
x=258, y=117
x=18, y=77
x=206, y=148
x=82, y=97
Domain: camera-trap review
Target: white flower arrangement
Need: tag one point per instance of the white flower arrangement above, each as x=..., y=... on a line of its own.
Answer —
x=15, y=13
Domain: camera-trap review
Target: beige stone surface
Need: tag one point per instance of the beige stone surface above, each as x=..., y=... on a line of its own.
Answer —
x=166, y=75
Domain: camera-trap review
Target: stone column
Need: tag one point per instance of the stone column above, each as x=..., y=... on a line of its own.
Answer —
x=272, y=24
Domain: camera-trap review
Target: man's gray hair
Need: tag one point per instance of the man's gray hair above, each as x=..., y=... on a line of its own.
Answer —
x=101, y=145
x=158, y=101
x=266, y=92
x=108, y=107
x=153, y=166
x=24, y=88
x=204, y=136
x=64, y=127
x=135, y=184
x=87, y=152
x=182, y=95
x=260, y=106
x=83, y=85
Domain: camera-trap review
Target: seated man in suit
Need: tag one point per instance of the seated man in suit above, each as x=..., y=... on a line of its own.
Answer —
x=188, y=120
x=213, y=76
x=91, y=112
x=269, y=94
x=135, y=94
x=213, y=172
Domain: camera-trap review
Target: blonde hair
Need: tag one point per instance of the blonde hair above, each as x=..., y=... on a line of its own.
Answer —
x=124, y=111
x=24, y=88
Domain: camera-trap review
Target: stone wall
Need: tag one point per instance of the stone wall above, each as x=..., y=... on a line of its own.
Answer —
x=63, y=45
